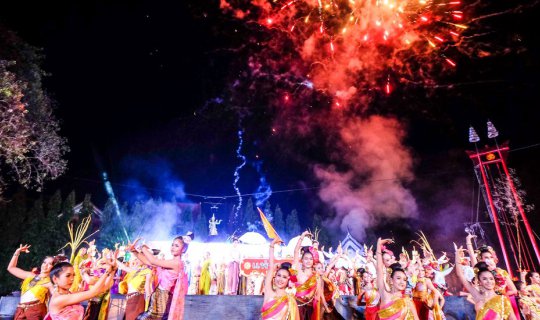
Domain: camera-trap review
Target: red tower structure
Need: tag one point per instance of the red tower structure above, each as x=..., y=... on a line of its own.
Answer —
x=505, y=208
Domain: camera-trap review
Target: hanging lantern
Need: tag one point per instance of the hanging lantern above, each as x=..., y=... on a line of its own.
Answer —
x=492, y=131
x=473, y=136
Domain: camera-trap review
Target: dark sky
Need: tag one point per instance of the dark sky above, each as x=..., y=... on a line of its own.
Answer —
x=131, y=79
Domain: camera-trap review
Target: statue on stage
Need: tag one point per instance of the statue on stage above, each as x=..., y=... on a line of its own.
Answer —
x=212, y=225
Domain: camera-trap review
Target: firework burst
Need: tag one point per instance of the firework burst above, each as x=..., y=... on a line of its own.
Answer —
x=348, y=47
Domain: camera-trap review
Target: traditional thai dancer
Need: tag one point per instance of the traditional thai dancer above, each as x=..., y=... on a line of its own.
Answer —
x=170, y=277
x=328, y=290
x=35, y=289
x=307, y=281
x=528, y=303
x=205, y=281
x=504, y=284
x=488, y=304
x=233, y=268
x=65, y=305
x=279, y=303
x=134, y=287
x=394, y=305
x=369, y=295
x=426, y=297
x=532, y=279
x=77, y=261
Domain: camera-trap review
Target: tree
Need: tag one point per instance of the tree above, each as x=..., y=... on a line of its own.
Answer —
x=31, y=149
x=236, y=220
x=250, y=217
x=201, y=227
x=278, y=222
x=293, y=224
x=55, y=222
x=68, y=205
x=268, y=211
x=42, y=226
x=111, y=231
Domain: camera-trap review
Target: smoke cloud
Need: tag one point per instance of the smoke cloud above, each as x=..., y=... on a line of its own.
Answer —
x=372, y=186
x=153, y=192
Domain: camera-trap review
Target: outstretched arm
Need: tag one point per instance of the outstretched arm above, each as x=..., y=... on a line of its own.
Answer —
x=459, y=272
x=470, y=249
x=380, y=267
x=104, y=283
x=139, y=255
x=271, y=269
x=12, y=266
x=125, y=268
x=438, y=296
x=167, y=264
x=331, y=264
x=296, y=260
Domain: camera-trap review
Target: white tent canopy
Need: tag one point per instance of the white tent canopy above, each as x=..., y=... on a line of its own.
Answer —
x=252, y=238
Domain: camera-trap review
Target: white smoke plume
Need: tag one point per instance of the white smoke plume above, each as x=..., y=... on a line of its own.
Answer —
x=373, y=187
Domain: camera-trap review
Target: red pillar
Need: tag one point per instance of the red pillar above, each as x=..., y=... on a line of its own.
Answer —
x=495, y=218
x=520, y=208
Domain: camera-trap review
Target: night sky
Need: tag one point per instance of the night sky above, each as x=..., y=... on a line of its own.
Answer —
x=132, y=82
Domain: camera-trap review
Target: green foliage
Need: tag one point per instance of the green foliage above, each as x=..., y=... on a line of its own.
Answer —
x=278, y=222
x=31, y=148
x=250, y=216
x=41, y=223
x=293, y=224
x=201, y=227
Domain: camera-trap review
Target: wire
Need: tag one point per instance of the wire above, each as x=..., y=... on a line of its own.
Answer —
x=205, y=196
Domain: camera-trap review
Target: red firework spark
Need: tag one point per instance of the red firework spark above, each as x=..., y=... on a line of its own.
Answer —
x=360, y=43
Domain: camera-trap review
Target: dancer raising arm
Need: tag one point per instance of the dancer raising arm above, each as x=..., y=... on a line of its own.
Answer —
x=65, y=305
x=35, y=289
x=394, y=305
x=278, y=303
x=171, y=278
x=307, y=284
x=488, y=304
x=134, y=287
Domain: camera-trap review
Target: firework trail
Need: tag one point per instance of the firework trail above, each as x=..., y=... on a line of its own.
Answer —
x=242, y=158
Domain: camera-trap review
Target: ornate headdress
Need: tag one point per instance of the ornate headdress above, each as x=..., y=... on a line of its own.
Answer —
x=315, y=253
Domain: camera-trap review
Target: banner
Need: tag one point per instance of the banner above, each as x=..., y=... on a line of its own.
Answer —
x=259, y=265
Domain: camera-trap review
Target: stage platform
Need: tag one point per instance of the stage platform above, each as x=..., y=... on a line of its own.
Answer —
x=248, y=308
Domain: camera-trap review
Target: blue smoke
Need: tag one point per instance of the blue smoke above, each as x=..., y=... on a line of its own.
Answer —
x=264, y=190
x=151, y=178
x=154, y=187
x=240, y=156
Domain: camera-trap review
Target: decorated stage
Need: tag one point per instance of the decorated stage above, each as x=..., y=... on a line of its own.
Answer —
x=248, y=308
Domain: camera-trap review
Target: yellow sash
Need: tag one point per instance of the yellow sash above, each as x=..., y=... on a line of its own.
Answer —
x=36, y=287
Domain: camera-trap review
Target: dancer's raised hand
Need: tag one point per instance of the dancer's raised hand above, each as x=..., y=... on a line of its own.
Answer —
x=23, y=248
x=131, y=245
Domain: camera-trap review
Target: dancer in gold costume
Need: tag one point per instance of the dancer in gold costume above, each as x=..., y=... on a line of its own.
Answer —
x=394, y=305
x=488, y=304
x=279, y=303
x=35, y=289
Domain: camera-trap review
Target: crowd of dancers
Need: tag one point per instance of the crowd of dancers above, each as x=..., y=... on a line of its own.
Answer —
x=304, y=286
